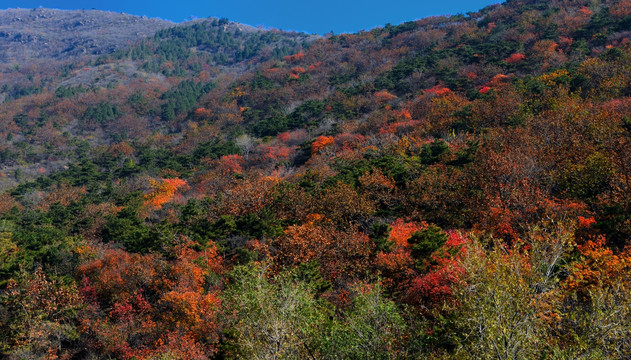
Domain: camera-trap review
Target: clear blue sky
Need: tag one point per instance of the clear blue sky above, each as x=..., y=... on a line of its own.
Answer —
x=310, y=16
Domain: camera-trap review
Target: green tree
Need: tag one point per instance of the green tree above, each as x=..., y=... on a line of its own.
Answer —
x=372, y=328
x=277, y=319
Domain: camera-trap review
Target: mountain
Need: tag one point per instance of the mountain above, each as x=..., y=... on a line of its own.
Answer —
x=47, y=34
x=452, y=187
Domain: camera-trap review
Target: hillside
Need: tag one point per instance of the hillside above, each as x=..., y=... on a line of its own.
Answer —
x=454, y=187
x=47, y=34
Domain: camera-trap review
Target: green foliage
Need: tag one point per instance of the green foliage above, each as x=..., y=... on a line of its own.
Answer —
x=615, y=222
x=309, y=114
x=586, y=181
x=263, y=83
x=426, y=242
x=263, y=224
x=215, y=149
x=127, y=229
x=496, y=313
x=380, y=234
x=401, y=28
x=102, y=113
x=214, y=41
x=309, y=273
x=279, y=319
x=139, y=103
x=429, y=61
x=183, y=98
x=372, y=328
x=18, y=91
x=38, y=242
x=401, y=169
x=466, y=155
x=65, y=91
x=283, y=318
x=431, y=153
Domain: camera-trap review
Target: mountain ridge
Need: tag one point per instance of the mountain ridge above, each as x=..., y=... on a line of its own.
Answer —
x=63, y=34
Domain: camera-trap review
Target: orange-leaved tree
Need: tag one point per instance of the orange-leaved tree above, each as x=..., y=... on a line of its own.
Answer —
x=163, y=191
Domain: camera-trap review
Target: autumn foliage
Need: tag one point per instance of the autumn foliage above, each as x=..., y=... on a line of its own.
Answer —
x=163, y=191
x=320, y=143
x=453, y=187
x=515, y=58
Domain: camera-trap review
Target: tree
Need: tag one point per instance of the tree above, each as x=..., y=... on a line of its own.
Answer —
x=271, y=320
x=425, y=242
x=246, y=143
x=499, y=311
x=596, y=307
x=372, y=328
x=163, y=191
x=39, y=318
x=321, y=143
x=343, y=255
x=508, y=301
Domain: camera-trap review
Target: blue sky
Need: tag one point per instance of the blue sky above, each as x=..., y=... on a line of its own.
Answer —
x=310, y=16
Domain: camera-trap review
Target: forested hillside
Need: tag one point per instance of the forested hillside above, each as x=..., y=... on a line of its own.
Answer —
x=447, y=188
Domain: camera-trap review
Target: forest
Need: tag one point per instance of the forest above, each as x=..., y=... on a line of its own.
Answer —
x=454, y=187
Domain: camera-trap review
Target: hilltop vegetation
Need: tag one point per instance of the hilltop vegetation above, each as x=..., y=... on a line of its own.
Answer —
x=29, y=35
x=451, y=188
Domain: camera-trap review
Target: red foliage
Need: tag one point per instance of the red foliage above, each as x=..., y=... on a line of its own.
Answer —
x=163, y=191
x=292, y=137
x=121, y=149
x=294, y=58
x=433, y=288
x=586, y=222
x=177, y=345
x=600, y=267
x=402, y=231
x=438, y=90
x=349, y=141
x=515, y=58
x=621, y=9
x=399, y=127
x=120, y=274
x=320, y=143
x=283, y=137
x=403, y=114
x=342, y=254
x=247, y=196
x=275, y=153
x=585, y=11
x=87, y=291
x=396, y=267
x=7, y=202
x=436, y=287
x=229, y=164
x=498, y=79
x=121, y=321
x=203, y=113
x=383, y=96
x=62, y=194
x=315, y=66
